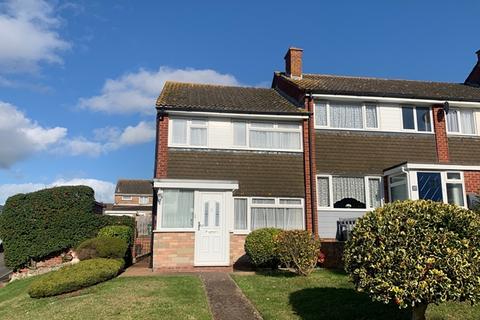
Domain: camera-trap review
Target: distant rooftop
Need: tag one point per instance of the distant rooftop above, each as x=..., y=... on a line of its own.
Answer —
x=125, y=186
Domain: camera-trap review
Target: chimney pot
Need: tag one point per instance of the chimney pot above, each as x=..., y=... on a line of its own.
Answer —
x=293, y=62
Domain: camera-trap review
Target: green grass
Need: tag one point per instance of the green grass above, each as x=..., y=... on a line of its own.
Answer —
x=327, y=295
x=165, y=297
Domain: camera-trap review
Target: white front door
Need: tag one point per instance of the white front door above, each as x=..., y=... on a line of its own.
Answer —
x=211, y=236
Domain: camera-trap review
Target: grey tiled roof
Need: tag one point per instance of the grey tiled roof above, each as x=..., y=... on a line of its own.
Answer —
x=134, y=187
x=204, y=97
x=331, y=84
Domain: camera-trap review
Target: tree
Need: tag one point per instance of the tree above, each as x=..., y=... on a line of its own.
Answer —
x=415, y=253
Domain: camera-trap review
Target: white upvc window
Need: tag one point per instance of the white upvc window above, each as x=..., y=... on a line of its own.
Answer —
x=126, y=198
x=143, y=200
x=189, y=132
x=177, y=209
x=259, y=212
x=267, y=135
x=346, y=115
x=417, y=119
x=349, y=192
x=461, y=122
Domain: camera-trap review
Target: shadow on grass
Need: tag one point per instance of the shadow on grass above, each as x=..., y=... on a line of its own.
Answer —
x=341, y=304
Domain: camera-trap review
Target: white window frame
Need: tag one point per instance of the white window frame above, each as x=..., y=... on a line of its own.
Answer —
x=415, y=195
x=127, y=198
x=432, y=129
x=367, y=192
x=142, y=198
x=248, y=128
x=390, y=185
x=460, y=129
x=277, y=204
x=188, y=137
x=364, y=116
x=196, y=205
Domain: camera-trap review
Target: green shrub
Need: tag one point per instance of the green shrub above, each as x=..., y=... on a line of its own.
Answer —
x=122, y=232
x=75, y=277
x=102, y=247
x=43, y=223
x=298, y=249
x=414, y=253
x=260, y=247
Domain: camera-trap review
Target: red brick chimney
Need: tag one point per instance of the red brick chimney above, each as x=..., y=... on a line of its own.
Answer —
x=293, y=62
x=474, y=77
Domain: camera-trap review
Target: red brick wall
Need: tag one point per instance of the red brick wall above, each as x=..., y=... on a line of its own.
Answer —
x=293, y=62
x=161, y=148
x=173, y=250
x=135, y=200
x=333, y=251
x=472, y=181
x=441, y=139
x=310, y=171
x=237, y=250
x=142, y=245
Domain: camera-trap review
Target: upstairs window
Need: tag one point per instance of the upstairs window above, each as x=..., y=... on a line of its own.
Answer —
x=189, y=132
x=416, y=118
x=267, y=135
x=461, y=121
x=143, y=200
x=346, y=115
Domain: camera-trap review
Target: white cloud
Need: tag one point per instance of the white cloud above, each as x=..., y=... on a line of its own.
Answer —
x=136, y=92
x=28, y=35
x=109, y=139
x=21, y=137
x=104, y=190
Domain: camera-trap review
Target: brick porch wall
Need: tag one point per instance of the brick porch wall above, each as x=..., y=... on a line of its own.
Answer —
x=237, y=251
x=333, y=251
x=173, y=250
x=472, y=181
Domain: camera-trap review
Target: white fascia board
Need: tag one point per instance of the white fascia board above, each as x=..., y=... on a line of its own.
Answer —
x=195, y=184
x=396, y=100
x=237, y=115
x=426, y=166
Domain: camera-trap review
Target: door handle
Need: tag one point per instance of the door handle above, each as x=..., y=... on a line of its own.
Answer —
x=198, y=225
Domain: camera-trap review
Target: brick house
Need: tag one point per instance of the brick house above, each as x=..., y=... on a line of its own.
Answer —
x=134, y=198
x=309, y=151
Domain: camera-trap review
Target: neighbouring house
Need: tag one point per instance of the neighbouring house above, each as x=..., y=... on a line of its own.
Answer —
x=306, y=153
x=134, y=198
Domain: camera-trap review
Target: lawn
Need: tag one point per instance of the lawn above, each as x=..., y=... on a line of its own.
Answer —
x=327, y=295
x=165, y=297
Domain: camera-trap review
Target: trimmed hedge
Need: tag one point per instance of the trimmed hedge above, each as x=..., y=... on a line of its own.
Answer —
x=102, y=247
x=260, y=247
x=40, y=224
x=75, y=277
x=298, y=249
x=122, y=232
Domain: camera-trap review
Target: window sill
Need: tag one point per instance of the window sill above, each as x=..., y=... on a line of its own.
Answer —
x=345, y=209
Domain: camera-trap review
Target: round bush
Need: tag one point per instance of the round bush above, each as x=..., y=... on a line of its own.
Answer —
x=102, y=247
x=414, y=253
x=75, y=277
x=299, y=250
x=260, y=247
x=123, y=232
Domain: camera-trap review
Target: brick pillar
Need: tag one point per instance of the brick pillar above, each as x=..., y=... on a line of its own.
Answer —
x=161, y=148
x=441, y=139
x=310, y=169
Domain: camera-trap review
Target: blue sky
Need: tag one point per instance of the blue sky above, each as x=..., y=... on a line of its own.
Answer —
x=78, y=80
